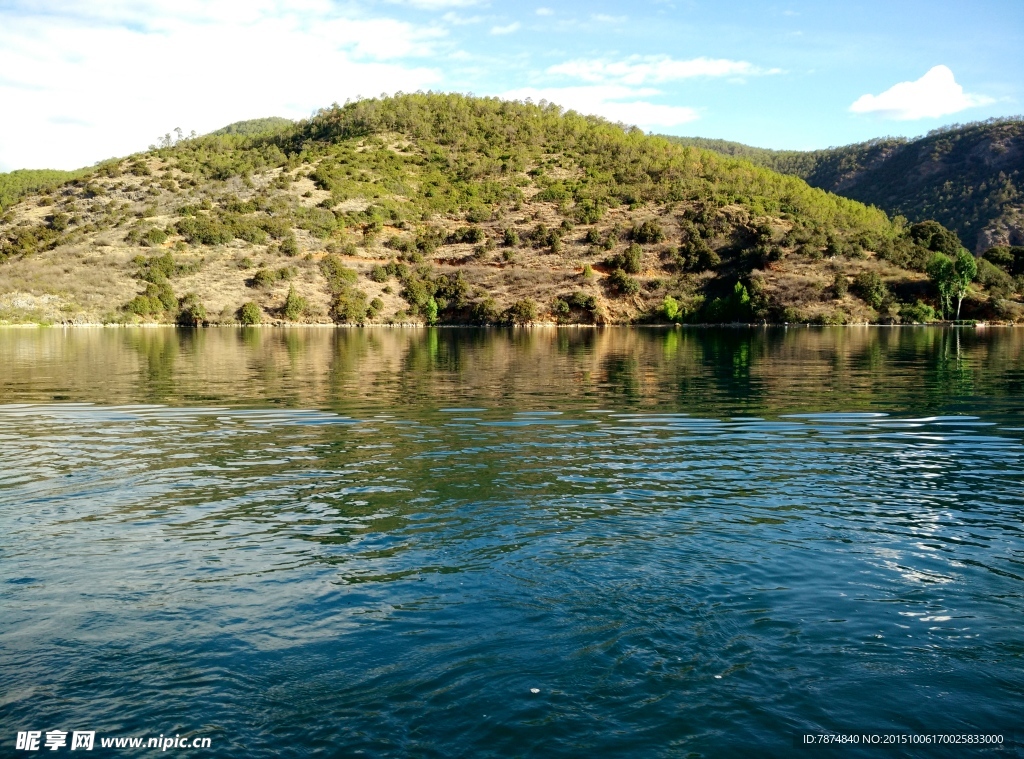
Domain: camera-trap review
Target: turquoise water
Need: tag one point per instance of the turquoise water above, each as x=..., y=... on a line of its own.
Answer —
x=492, y=543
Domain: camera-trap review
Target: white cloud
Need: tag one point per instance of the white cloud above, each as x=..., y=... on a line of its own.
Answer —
x=604, y=18
x=456, y=20
x=545, y=12
x=933, y=95
x=434, y=5
x=614, y=102
x=85, y=82
x=507, y=29
x=643, y=69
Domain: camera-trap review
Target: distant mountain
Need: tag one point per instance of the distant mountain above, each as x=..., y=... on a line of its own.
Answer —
x=968, y=177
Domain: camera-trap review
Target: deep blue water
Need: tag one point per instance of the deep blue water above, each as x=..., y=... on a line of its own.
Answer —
x=564, y=543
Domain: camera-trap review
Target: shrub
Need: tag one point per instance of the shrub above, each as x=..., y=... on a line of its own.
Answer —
x=191, y=312
x=917, y=313
x=250, y=313
x=622, y=283
x=840, y=285
x=294, y=305
x=735, y=307
x=142, y=305
x=471, y=235
x=670, y=308
x=289, y=246
x=870, y=288
x=268, y=277
x=339, y=277
x=521, y=312
x=583, y=301
x=996, y=280
x=511, y=237
x=649, y=231
x=379, y=274
x=629, y=260
x=204, y=230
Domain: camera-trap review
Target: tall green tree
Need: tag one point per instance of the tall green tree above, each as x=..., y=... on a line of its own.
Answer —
x=952, y=278
x=942, y=272
x=966, y=269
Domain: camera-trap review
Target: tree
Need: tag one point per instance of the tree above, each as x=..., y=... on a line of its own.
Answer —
x=942, y=272
x=965, y=269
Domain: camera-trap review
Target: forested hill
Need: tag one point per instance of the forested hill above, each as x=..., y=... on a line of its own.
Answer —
x=434, y=208
x=970, y=178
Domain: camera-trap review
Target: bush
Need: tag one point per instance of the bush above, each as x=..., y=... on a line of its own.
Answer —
x=522, y=312
x=629, y=260
x=294, y=305
x=917, y=313
x=996, y=280
x=472, y=235
x=670, y=308
x=649, y=231
x=250, y=313
x=583, y=301
x=289, y=246
x=511, y=237
x=191, y=312
x=204, y=230
x=870, y=288
x=269, y=277
x=379, y=274
x=622, y=283
x=839, y=285
x=339, y=277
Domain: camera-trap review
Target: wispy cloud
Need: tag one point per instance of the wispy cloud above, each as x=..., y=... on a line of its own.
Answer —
x=436, y=5
x=507, y=29
x=933, y=95
x=456, y=20
x=604, y=18
x=655, y=69
x=106, y=79
x=545, y=12
x=615, y=102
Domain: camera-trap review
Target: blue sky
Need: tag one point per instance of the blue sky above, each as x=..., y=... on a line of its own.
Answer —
x=80, y=82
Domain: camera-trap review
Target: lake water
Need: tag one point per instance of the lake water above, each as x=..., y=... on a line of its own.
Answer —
x=543, y=543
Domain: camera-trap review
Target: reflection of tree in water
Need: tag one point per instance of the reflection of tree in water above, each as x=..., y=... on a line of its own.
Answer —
x=576, y=342
x=716, y=364
x=954, y=376
x=719, y=372
x=621, y=374
x=158, y=351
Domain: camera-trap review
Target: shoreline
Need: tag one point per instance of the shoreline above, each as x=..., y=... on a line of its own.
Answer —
x=532, y=325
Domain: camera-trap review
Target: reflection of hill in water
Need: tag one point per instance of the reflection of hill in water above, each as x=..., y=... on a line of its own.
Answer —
x=715, y=371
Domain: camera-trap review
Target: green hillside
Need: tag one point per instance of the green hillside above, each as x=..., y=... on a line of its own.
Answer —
x=445, y=208
x=257, y=127
x=970, y=178
x=17, y=184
